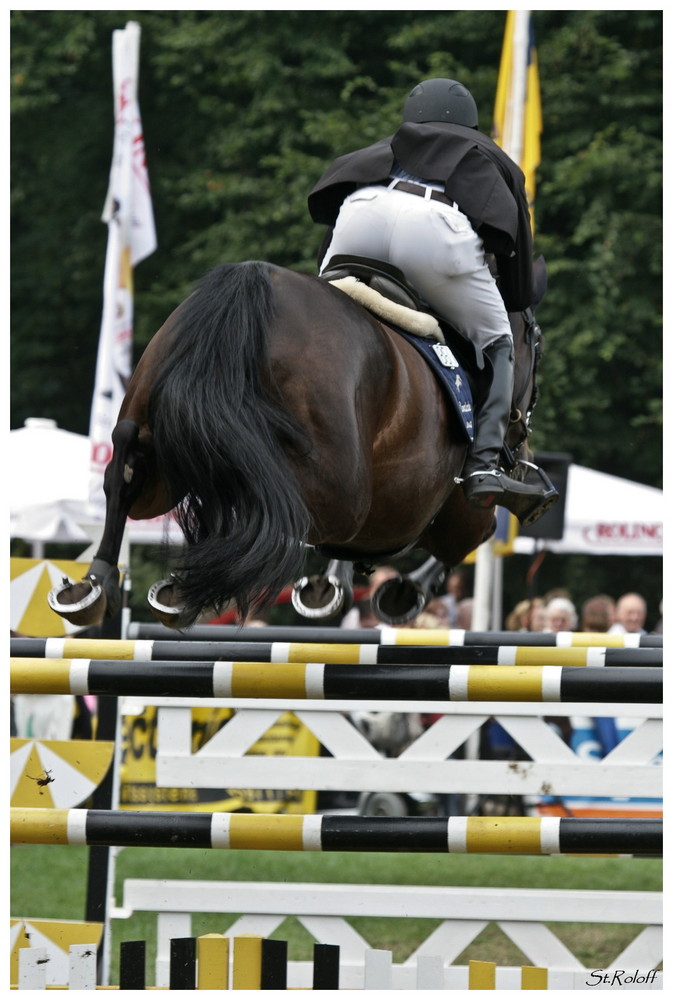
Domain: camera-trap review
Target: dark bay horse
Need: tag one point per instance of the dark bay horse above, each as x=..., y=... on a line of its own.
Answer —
x=274, y=413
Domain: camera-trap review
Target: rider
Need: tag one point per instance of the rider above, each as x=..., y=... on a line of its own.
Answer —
x=432, y=200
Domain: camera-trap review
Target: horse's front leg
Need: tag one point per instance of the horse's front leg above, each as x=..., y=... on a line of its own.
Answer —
x=457, y=530
x=98, y=593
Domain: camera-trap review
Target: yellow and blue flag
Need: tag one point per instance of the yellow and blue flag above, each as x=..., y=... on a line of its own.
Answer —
x=517, y=118
x=517, y=127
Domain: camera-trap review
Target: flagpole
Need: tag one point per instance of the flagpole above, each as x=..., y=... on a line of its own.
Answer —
x=131, y=237
x=513, y=140
x=514, y=101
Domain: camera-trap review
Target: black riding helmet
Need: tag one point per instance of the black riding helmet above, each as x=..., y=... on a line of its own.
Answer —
x=441, y=100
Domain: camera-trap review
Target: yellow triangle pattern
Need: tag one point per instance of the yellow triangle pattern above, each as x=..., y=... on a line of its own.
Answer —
x=32, y=789
x=38, y=760
x=34, y=617
x=39, y=616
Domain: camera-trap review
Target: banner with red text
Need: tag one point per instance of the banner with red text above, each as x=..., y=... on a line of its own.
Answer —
x=131, y=237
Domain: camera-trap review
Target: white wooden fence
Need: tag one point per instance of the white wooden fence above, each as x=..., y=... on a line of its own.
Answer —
x=629, y=770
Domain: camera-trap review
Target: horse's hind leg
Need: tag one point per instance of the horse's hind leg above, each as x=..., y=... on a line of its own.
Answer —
x=327, y=595
x=98, y=594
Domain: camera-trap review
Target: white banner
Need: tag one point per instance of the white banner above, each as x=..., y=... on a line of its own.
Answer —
x=606, y=515
x=131, y=238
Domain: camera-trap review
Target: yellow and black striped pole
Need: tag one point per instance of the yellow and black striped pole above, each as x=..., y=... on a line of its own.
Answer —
x=506, y=654
x=334, y=681
x=278, y=832
x=390, y=636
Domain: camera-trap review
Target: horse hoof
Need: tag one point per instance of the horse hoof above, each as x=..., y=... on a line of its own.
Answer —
x=398, y=601
x=318, y=596
x=160, y=597
x=82, y=603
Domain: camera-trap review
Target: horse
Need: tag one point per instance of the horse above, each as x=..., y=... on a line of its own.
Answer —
x=274, y=415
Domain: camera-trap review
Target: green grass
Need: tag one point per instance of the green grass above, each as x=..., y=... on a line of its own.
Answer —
x=50, y=881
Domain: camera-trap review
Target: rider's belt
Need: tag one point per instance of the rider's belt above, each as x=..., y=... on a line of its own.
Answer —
x=421, y=190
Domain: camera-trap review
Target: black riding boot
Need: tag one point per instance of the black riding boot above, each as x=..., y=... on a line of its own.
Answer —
x=484, y=482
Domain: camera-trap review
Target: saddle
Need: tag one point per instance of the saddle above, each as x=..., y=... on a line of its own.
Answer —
x=383, y=290
x=378, y=275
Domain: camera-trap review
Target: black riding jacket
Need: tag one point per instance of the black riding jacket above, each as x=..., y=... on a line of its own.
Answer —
x=485, y=183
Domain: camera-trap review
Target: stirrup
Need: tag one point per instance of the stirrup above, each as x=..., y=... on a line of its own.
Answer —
x=551, y=496
x=527, y=502
x=535, y=512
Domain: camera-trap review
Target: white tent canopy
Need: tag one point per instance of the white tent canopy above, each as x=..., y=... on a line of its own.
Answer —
x=49, y=489
x=606, y=515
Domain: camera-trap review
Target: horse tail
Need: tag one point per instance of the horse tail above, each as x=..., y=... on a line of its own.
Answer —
x=222, y=444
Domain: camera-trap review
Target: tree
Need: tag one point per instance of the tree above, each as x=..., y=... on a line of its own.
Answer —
x=600, y=228
x=242, y=110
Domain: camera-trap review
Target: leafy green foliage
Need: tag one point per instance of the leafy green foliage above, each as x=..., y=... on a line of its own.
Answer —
x=242, y=111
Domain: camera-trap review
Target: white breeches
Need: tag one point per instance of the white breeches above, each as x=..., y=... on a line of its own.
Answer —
x=436, y=248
